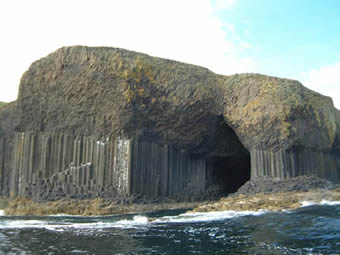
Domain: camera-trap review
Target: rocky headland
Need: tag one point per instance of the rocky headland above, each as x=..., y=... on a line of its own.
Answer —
x=107, y=123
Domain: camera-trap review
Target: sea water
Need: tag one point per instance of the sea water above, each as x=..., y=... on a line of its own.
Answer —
x=311, y=229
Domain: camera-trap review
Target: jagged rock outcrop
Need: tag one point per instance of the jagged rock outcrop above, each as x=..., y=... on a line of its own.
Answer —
x=240, y=125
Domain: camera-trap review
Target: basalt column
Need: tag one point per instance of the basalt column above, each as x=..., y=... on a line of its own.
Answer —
x=286, y=164
x=2, y=162
x=49, y=166
x=63, y=165
x=163, y=171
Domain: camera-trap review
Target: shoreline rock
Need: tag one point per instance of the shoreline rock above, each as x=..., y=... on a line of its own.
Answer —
x=277, y=201
x=91, y=207
x=258, y=194
x=272, y=185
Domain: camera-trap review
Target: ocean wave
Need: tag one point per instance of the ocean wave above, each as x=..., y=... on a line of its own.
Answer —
x=322, y=202
x=137, y=221
x=207, y=216
x=9, y=224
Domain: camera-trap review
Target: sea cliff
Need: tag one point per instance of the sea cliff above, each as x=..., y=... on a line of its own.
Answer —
x=97, y=122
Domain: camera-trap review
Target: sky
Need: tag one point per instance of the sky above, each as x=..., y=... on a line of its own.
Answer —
x=296, y=39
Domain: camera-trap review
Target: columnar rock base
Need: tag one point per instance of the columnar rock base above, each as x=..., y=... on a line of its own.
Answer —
x=163, y=171
x=3, y=178
x=49, y=166
x=289, y=164
x=56, y=165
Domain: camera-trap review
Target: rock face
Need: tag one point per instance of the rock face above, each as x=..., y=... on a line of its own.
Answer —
x=173, y=115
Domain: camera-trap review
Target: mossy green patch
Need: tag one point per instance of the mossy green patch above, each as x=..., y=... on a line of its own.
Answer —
x=2, y=104
x=134, y=75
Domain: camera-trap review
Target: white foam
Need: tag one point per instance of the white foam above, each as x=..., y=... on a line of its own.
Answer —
x=142, y=221
x=322, y=202
x=2, y=212
x=308, y=203
x=137, y=220
x=207, y=216
x=327, y=202
x=22, y=224
x=63, y=215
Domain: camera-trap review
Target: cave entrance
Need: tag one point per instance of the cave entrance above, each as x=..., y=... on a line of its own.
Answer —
x=229, y=173
x=228, y=161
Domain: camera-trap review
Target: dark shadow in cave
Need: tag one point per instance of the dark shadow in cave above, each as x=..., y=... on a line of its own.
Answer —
x=229, y=161
x=229, y=173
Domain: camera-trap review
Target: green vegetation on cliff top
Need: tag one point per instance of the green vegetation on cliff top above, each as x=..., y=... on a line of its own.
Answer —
x=2, y=104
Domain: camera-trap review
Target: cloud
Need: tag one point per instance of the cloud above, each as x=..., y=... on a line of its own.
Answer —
x=187, y=31
x=220, y=5
x=325, y=80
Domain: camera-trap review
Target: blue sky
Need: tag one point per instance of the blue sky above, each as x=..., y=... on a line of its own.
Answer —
x=293, y=39
x=290, y=36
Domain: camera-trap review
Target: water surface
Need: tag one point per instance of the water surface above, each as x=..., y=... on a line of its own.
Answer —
x=312, y=229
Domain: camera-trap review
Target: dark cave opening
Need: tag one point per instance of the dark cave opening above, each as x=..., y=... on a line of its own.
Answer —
x=229, y=173
x=228, y=161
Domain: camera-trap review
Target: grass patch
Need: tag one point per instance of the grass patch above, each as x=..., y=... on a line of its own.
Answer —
x=2, y=104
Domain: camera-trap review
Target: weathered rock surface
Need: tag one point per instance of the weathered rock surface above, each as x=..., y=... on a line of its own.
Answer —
x=271, y=201
x=272, y=185
x=291, y=115
x=107, y=91
x=87, y=207
x=241, y=125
